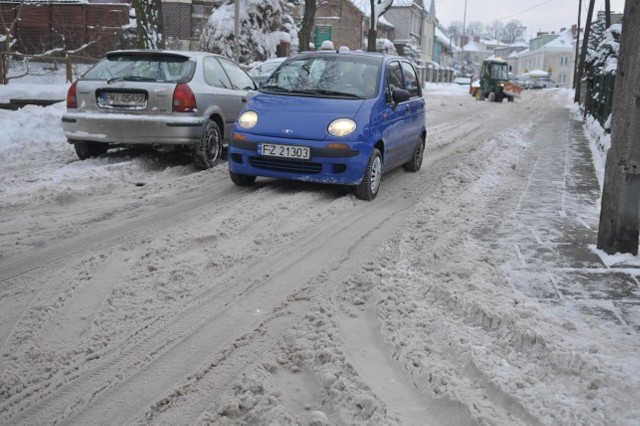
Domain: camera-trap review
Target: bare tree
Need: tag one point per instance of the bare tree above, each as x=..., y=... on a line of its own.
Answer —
x=454, y=30
x=620, y=208
x=474, y=28
x=494, y=30
x=513, y=31
x=9, y=27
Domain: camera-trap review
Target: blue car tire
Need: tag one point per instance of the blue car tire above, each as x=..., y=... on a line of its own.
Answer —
x=415, y=163
x=241, y=180
x=370, y=185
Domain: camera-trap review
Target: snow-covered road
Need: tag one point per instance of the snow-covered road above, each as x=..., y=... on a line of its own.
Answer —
x=135, y=289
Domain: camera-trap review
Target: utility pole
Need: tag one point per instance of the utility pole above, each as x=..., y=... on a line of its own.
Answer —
x=620, y=211
x=583, y=55
x=575, y=66
x=464, y=36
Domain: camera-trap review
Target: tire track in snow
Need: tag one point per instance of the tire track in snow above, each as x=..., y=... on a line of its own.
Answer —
x=197, y=333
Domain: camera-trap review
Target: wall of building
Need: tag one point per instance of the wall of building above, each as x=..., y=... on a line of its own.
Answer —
x=176, y=18
x=91, y=29
x=346, y=21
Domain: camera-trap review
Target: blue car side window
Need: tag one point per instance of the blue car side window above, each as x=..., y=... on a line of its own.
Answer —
x=394, y=80
x=411, y=79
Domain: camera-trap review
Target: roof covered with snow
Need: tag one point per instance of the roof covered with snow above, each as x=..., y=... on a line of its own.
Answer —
x=364, y=6
x=474, y=46
x=563, y=42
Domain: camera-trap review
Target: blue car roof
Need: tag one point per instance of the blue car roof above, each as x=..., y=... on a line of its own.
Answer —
x=379, y=55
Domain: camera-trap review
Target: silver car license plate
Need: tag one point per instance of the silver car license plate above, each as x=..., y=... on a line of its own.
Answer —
x=286, y=151
x=122, y=99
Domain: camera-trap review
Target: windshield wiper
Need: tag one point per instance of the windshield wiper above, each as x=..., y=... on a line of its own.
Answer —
x=130, y=78
x=336, y=93
x=274, y=88
x=310, y=92
x=325, y=92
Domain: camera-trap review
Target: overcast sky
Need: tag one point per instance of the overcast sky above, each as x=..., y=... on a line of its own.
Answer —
x=536, y=15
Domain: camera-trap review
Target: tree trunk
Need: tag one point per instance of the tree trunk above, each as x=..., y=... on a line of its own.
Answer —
x=620, y=210
x=306, y=26
x=372, y=36
x=149, y=29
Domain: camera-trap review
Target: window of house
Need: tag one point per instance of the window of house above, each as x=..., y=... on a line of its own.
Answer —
x=564, y=60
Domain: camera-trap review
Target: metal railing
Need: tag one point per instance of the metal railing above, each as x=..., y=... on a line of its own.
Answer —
x=26, y=69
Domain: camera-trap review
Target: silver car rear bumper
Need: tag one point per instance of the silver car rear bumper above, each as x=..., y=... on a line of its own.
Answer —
x=130, y=129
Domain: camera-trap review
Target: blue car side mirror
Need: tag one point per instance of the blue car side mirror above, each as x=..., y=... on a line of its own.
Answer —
x=400, y=95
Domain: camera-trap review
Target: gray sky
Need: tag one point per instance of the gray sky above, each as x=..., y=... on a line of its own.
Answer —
x=536, y=15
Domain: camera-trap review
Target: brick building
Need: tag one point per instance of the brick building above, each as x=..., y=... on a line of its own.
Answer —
x=347, y=21
x=86, y=29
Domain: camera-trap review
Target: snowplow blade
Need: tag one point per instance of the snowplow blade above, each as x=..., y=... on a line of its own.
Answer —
x=512, y=89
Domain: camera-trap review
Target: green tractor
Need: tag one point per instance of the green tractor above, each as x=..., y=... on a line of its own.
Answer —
x=494, y=82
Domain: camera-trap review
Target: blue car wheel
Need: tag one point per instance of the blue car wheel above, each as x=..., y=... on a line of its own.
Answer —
x=370, y=185
x=241, y=180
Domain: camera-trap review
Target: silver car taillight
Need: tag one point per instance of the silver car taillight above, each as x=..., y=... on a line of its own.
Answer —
x=183, y=99
x=72, y=99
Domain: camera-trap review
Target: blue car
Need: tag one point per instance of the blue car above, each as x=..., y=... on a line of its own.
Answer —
x=332, y=117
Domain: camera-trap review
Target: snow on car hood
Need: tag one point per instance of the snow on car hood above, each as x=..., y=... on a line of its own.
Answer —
x=299, y=117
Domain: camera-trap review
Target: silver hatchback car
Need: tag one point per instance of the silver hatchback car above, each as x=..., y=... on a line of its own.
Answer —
x=164, y=99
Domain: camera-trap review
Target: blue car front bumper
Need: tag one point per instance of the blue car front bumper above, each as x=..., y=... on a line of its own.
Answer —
x=343, y=166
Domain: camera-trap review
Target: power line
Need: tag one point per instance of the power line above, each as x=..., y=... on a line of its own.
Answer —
x=526, y=10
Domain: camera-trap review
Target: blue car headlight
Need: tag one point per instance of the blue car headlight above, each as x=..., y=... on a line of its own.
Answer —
x=248, y=119
x=341, y=127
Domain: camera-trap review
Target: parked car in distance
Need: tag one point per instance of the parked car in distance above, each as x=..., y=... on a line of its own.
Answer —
x=544, y=83
x=523, y=82
x=462, y=80
x=167, y=100
x=332, y=117
x=261, y=72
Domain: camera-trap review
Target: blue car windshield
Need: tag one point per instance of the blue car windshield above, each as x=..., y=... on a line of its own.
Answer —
x=336, y=75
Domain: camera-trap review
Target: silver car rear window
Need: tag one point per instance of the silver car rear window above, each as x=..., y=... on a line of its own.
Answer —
x=156, y=68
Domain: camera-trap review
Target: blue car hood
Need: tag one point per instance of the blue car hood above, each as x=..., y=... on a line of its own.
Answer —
x=299, y=117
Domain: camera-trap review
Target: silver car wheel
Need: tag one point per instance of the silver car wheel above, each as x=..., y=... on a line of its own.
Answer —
x=208, y=152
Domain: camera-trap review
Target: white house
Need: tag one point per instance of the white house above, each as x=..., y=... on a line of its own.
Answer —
x=553, y=53
x=415, y=23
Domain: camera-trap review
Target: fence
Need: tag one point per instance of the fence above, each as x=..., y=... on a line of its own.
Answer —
x=24, y=69
x=598, y=97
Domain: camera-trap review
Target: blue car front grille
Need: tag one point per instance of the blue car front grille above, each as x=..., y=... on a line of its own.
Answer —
x=286, y=166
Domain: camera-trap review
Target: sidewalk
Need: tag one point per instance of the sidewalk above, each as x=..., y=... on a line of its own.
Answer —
x=558, y=217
